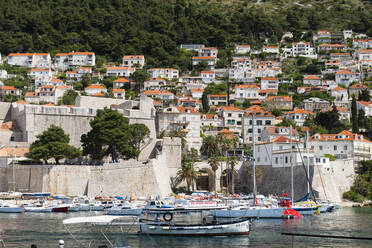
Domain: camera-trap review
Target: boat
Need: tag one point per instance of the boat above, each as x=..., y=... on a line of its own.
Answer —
x=237, y=227
x=9, y=208
x=42, y=209
x=35, y=195
x=60, y=209
x=251, y=212
x=97, y=206
x=125, y=209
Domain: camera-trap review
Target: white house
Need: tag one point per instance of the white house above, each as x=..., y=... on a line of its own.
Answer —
x=39, y=60
x=242, y=49
x=155, y=84
x=272, y=132
x=365, y=106
x=120, y=71
x=208, y=52
x=208, y=76
x=356, y=89
x=56, y=82
x=246, y=91
x=65, y=60
x=217, y=100
x=269, y=83
x=232, y=118
x=40, y=76
x=298, y=116
x=241, y=63
x=342, y=145
x=282, y=152
x=167, y=73
x=119, y=93
x=78, y=73
x=340, y=95
x=9, y=90
x=209, y=60
x=345, y=77
x=270, y=49
x=212, y=120
x=312, y=80
x=134, y=61
x=262, y=119
x=164, y=95
x=362, y=43
x=181, y=119
x=119, y=83
x=303, y=49
x=363, y=54
x=329, y=47
x=242, y=74
x=96, y=90
x=197, y=93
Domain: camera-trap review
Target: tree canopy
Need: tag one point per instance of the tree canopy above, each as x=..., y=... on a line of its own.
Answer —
x=111, y=135
x=53, y=143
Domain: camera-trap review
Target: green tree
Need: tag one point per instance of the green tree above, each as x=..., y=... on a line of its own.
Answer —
x=209, y=146
x=205, y=102
x=188, y=172
x=364, y=95
x=139, y=77
x=362, y=120
x=214, y=163
x=110, y=136
x=69, y=97
x=330, y=121
x=354, y=115
x=53, y=143
x=139, y=134
x=232, y=163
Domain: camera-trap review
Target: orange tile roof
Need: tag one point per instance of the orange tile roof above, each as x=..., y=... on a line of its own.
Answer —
x=339, y=109
x=364, y=51
x=203, y=58
x=342, y=136
x=49, y=104
x=157, y=92
x=29, y=94
x=358, y=86
x=304, y=42
x=21, y=102
x=343, y=72
x=210, y=116
x=81, y=53
x=61, y=54
x=230, y=108
x=364, y=103
x=133, y=57
x=246, y=86
x=118, y=90
x=185, y=109
x=47, y=86
x=242, y=45
x=121, y=80
x=117, y=68
x=28, y=54
x=255, y=108
x=207, y=72
x=284, y=98
x=282, y=139
x=343, y=54
x=63, y=87
x=197, y=90
x=98, y=94
x=311, y=77
x=338, y=88
x=268, y=91
x=95, y=86
x=8, y=88
x=269, y=78
x=299, y=111
x=39, y=69
x=226, y=132
x=56, y=80
x=214, y=95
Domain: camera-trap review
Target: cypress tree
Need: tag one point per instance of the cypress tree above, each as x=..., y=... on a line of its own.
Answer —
x=354, y=116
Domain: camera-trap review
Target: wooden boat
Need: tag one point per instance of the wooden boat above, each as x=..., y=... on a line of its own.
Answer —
x=239, y=227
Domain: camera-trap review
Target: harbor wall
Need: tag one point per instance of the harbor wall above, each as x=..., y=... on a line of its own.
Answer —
x=329, y=181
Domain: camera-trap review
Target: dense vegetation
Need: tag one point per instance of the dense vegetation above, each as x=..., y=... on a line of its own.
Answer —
x=156, y=28
x=362, y=188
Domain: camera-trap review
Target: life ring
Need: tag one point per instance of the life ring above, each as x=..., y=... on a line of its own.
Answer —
x=168, y=216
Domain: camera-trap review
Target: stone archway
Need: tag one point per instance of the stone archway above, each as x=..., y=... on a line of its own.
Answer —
x=205, y=180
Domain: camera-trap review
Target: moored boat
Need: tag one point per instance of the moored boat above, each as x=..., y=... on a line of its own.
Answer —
x=9, y=208
x=238, y=227
x=60, y=209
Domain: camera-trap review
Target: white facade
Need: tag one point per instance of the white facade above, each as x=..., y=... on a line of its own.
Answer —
x=270, y=49
x=232, y=118
x=155, y=84
x=120, y=71
x=65, y=60
x=269, y=83
x=242, y=49
x=262, y=119
x=365, y=106
x=302, y=49
x=362, y=43
x=210, y=61
x=32, y=60
x=363, y=54
x=208, y=52
x=345, y=77
x=134, y=60
x=95, y=89
x=298, y=116
x=168, y=73
x=246, y=91
x=208, y=76
x=162, y=94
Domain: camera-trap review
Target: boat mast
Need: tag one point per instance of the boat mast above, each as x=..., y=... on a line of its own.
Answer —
x=308, y=162
x=290, y=161
x=253, y=163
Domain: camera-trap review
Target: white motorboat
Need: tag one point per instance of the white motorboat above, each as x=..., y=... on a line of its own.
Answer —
x=42, y=209
x=125, y=209
x=77, y=207
x=239, y=227
x=9, y=208
x=97, y=206
x=251, y=212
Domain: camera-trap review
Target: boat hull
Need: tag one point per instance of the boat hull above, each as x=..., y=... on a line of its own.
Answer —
x=264, y=213
x=305, y=210
x=38, y=210
x=11, y=210
x=133, y=211
x=60, y=210
x=230, y=229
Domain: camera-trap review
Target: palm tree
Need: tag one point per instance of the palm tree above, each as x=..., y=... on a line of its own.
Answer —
x=209, y=146
x=232, y=162
x=214, y=163
x=187, y=172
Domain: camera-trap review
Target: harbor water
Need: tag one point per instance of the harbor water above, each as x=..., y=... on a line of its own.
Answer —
x=46, y=229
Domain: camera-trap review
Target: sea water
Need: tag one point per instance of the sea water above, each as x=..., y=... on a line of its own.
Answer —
x=46, y=229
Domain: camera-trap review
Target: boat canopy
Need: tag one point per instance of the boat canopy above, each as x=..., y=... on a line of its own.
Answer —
x=96, y=220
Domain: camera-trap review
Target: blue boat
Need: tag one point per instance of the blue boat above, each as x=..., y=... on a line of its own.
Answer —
x=37, y=194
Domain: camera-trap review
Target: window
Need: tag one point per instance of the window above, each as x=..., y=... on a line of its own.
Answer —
x=286, y=159
x=259, y=122
x=345, y=148
x=258, y=138
x=239, y=123
x=268, y=123
x=280, y=148
x=250, y=122
x=229, y=114
x=250, y=130
x=240, y=115
x=335, y=148
x=276, y=160
x=259, y=130
x=321, y=148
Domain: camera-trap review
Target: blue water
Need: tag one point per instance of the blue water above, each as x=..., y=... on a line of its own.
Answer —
x=22, y=230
